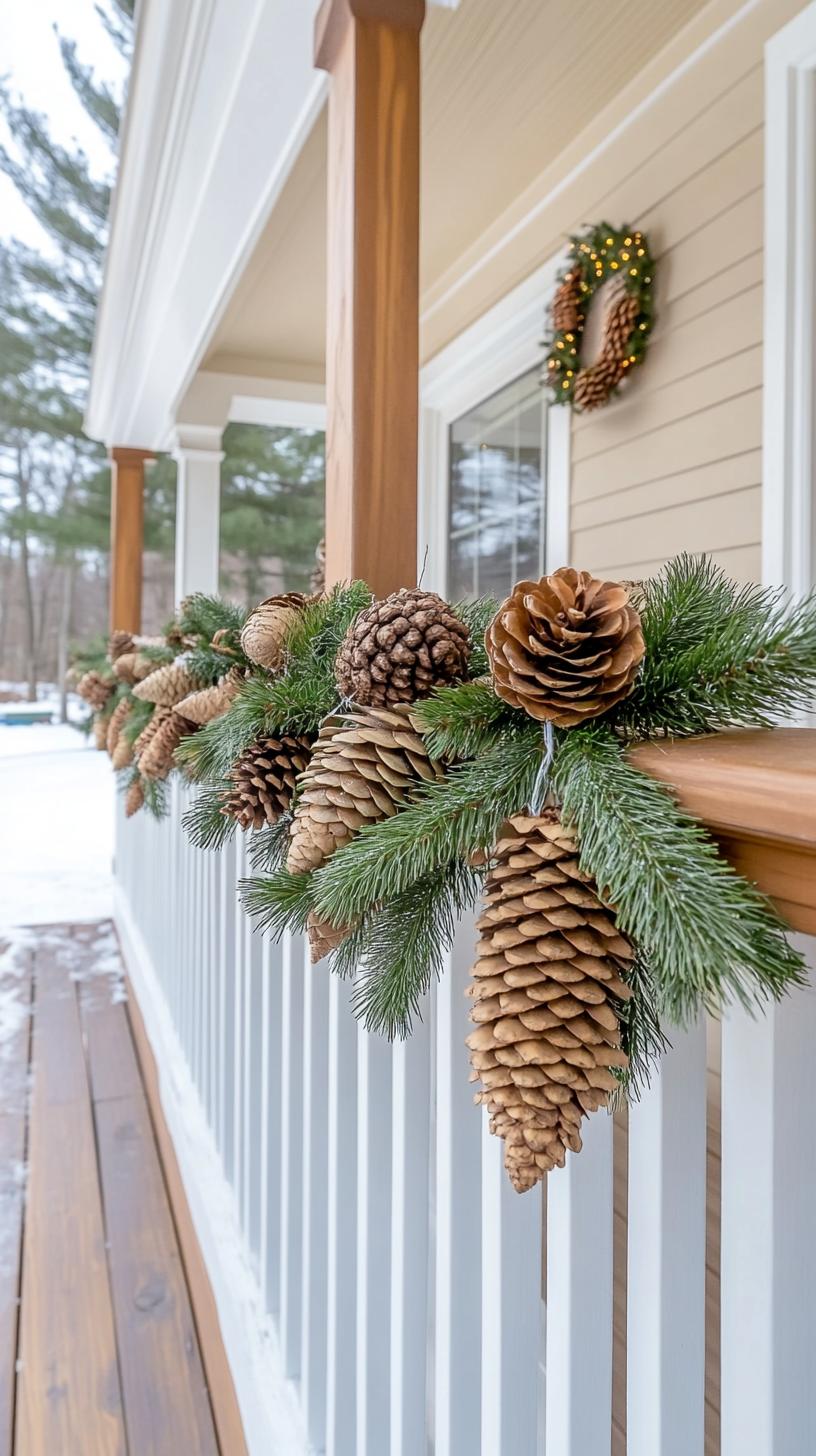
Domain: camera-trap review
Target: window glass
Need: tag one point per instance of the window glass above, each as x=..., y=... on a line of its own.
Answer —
x=496, y=495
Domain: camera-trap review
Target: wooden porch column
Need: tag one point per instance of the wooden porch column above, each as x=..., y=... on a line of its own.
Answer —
x=371, y=49
x=127, y=538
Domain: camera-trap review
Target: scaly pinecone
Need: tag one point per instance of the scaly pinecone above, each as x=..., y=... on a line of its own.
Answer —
x=167, y=685
x=567, y=313
x=362, y=767
x=156, y=760
x=134, y=798
x=122, y=756
x=594, y=384
x=100, y=733
x=264, y=779
x=622, y=310
x=149, y=731
x=116, y=722
x=95, y=689
x=323, y=937
x=209, y=703
x=119, y=642
x=264, y=633
x=400, y=648
x=547, y=987
x=565, y=648
x=133, y=667
x=317, y=582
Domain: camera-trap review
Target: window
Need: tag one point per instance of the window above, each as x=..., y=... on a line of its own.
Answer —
x=497, y=455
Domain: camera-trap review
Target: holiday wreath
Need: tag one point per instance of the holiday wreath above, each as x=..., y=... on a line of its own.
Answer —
x=400, y=760
x=619, y=257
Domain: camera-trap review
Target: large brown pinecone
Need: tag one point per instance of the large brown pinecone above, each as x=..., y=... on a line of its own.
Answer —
x=264, y=633
x=134, y=798
x=264, y=778
x=317, y=581
x=565, y=648
x=323, y=937
x=100, y=733
x=122, y=756
x=547, y=987
x=156, y=760
x=116, y=723
x=95, y=689
x=167, y=685
x=133, y=667
x=622, y=310
x=362, y=768
x=567, y=314
x=119, y=642
x=151, y=728
x=400, y=648
x=594, y=384
x=208, y=703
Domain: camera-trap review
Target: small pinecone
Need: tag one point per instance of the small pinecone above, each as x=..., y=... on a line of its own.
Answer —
x=149, y=731
x=546, y=986
x=167, y=685
x=100, y=733
x=122, y=756
x=323, y=937
x=156, y=760
x=264, y=779
x=134, y=798
x=566, y=304
x=95, y=689
x=594, y=385
x=317, y=581
x=361, y=770
x=621, y=313
x=264, y=633
x=565, y=648
x=115, y=724
x=400, y=648
x=133, y=667
x=118, y=643
x=208, y=703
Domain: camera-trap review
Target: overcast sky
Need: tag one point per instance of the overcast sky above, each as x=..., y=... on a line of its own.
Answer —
x=30, y=60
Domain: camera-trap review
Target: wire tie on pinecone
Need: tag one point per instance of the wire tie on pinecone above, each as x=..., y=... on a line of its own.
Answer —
x=340, y=710
x=542, y=781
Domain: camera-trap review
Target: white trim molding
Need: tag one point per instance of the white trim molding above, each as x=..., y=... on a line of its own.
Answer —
x=504, y=343
x=295, y=398
x=789, y=377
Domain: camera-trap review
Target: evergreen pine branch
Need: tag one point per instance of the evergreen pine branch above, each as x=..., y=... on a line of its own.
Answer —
x=205, y=823
x=137, y=719
x=268, y=847
x=400, y=947
x=466, y=720
x=208, y=755
x=642, y=1037
x=202, y=616
x=477, y=616
x=442, y=822
x=710, y=936
x=155, y=797
x=208, y=665
x=719, y=655
x=158, y=653
x=278, y=902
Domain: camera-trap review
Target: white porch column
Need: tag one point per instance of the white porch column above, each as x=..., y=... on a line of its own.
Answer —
x=198, y=454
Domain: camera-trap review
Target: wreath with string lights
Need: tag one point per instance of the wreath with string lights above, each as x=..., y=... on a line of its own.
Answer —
x=600, y=254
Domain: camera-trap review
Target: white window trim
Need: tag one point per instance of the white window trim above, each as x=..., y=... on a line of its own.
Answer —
x=503, y=344
x=789, y=457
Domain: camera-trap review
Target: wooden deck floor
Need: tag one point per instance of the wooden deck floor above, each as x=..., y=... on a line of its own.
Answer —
x=99, y=1354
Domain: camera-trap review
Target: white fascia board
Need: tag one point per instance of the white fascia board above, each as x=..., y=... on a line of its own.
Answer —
x=222, y=97
x=290, y=397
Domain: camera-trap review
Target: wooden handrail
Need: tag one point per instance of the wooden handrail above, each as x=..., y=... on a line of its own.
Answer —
x=756, y=791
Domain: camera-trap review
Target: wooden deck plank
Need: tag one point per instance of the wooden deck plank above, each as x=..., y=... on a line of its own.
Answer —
x=68, y=1391
x=112, y=1064
x=15, y=992
x=167, y=1407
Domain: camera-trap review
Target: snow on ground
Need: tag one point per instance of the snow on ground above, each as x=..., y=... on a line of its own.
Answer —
x=56, y=827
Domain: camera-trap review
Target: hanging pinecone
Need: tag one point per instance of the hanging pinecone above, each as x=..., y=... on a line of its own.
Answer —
x=119, y=642
x=133, y=667
x=208, y=703
x=134, y=798
x=263, y=780
x=566, y=305
x=565, y=648
x=622, y=310
x=317, y=582
x=95, y=689
x=100, y=733
x=149, y=731
x=594, y=384
x=547, y=987
x=116, y=723
x=362, y=768
x=264, y=633
x=400, y=648
x=167, y=685
x=122, y=756
x=156, y=760
x=323, y=937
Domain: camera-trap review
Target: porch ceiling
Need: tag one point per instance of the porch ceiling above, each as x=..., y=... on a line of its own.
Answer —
x=506, y=88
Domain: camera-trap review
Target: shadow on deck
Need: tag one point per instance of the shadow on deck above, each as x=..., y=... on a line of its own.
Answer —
x=99, y=1354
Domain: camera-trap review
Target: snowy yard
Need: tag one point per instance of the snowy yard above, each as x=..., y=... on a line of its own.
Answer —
x=56, y=827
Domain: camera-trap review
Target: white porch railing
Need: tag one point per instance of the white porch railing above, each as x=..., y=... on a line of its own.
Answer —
x=394, y=1279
